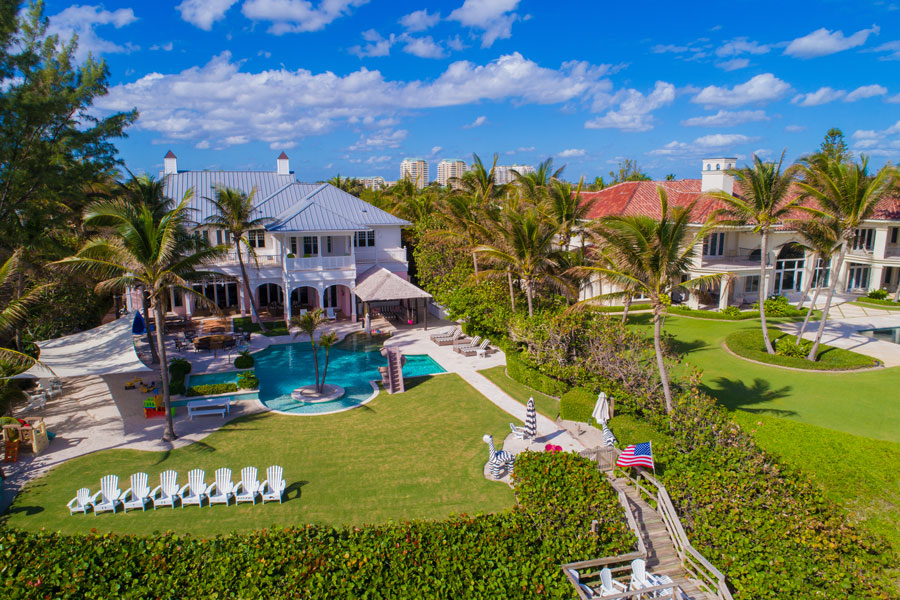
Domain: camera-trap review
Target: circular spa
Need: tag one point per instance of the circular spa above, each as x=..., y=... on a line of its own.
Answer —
x=352, y=365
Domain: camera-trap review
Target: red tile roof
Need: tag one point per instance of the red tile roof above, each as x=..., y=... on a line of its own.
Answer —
x=640, y=198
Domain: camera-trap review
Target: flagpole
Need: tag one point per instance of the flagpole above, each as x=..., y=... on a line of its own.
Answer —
x=652, y=462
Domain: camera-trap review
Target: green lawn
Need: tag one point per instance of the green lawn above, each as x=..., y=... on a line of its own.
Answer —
x=544, y=404
x=404, y=456
x=749, y=343
x=843, y=429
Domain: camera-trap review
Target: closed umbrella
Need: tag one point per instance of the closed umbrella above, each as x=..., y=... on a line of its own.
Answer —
x=601, y=409
x=138, y=327
x=530, y=419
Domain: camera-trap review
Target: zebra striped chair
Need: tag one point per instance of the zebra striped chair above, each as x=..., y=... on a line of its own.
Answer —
x=498, y=460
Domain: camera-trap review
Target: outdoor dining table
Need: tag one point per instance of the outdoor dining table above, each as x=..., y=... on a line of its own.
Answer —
x=214, y=342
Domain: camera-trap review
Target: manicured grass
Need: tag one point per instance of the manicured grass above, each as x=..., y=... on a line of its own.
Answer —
x=273, y=328
x=544, y=404
x=870, y=302
x=749, y=344
x=746, y=315
x=405, y=456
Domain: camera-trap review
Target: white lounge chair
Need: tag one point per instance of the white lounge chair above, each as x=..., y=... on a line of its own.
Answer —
x=329, y=314
x=222, y=489
x=273, y=487
x=466, y=346
x=110, y=496
x=195, y=490
x=442, y=333
x=608, y=585
x=247, y=488
x=472, y=349
x=166, y=493
x=641, y=579
x=139, y=492
x=518, y=432
x=81, y=502
x=481, y=351
x=36, y=401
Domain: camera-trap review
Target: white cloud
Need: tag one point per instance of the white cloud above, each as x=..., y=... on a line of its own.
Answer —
x=669, y=49
x=885, y=142
x=894, y=99
x=167, y=47
x=525, y=149
x=375, y=160
x=822, y=42
x=891, y=48
x=419, y=20
x=376, y=46
x=477, y=122
x=634, y=111
x=203, y=13
x=734, y=64
x=81, y=20
x=701, y=145
x=493, y=17
x=740, y=46
x=571, y=152
x=725, y=118
x=823, y=95
x=455, y=43
x=866, y=91
x=795, y=128
x=424, y=47
x=218, y=100
x=380, y=139
x=759, y=89
x=297, y=16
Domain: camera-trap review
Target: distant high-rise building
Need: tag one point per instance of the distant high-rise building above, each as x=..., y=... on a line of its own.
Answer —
x=503, y=174
x=449, y=171
x=416, y=170
x=374, y=183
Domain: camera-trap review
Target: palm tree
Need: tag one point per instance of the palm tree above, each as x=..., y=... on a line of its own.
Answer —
x=234, y=214
x=565, y=207
x=763, y=203
x=822, y=237
x=534, y=185
x=308, y=323
x=527, y=250
x=479, y=182
x=326, y=341
x=651, y=256
x=460, y=214
x=141, y=250
x=16, y=310
x=847, y=193
x=351, y=185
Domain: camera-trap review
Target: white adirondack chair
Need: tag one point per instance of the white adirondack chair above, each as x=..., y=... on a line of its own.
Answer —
x=195, y=490
x=247, y=488
x=273, y=487
x=608, y=585
x=110, y=495
x=329, y=313
x=518, y=432
x=166, y=492
x=222, y=489
x=138, y=495
x=81, y=502
x=640, y=578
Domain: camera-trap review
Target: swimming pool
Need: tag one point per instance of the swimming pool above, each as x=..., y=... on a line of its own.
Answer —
x=282, y=368
x=888, y=334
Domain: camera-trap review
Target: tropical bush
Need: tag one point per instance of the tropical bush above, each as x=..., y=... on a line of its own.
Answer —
x=577, y=404
x=719, y=315
x=512, y=554
x=247, y=380
x=785, y=346
x=731, y=311
x=211, y=389
x=877, y=294
x=178, y=370
x=748, y=343
x=779, y=306
x=244, y=360
x=533, y=378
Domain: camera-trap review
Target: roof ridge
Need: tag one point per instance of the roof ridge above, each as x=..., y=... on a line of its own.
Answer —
x=292, y=211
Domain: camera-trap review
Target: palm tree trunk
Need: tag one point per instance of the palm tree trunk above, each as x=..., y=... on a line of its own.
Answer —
x=475, y=261
x=512, y=294
x=834, y=280
x=815, y=261
x=897, y=293
x=625, y=311
x=254, y=313
x=660, y=363
x=312, y=340
x=812, y=306
x=324, y=371
x=169, y=431
x=154, y=355
x=20, y=289
x=528, y=294
x=763, y=288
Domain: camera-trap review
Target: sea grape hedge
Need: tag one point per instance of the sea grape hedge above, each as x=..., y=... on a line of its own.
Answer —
x=211, y=389
x=513, y=554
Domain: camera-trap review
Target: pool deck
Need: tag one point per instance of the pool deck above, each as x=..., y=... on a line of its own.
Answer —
x=97, y=413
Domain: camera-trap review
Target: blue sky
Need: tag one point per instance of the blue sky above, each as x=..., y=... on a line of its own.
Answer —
x=354, y=86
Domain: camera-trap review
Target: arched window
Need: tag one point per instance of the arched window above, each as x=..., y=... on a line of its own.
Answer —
x=718, y=167
x=709, y=167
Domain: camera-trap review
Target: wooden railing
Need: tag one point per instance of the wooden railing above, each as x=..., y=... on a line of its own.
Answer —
x=694, y=563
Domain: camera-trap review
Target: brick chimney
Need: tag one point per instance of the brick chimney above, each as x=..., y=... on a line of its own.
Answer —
x=283, y=164
x=170, y=164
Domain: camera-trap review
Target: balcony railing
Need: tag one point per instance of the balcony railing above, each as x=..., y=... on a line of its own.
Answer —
x=381, y=256
x=263, y=260
x=317, y=263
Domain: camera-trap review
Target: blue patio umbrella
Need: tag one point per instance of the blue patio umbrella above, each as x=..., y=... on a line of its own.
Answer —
x=139, y=327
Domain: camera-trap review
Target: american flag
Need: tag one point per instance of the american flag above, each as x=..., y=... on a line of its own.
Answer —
x=636, y=455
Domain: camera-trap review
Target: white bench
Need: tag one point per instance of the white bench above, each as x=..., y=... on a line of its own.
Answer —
x=209, y=406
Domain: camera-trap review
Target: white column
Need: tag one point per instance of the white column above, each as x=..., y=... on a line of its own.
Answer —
x=188, y=305
x=320, y=294
x=724, y=289
x=242, y=298
x=875, y=274
x=287, y=302
x=880, y=243
x=172, y=298
x=128, y=303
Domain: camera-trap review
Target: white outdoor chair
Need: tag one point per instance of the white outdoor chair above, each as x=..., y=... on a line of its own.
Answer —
x=222, y=489
x=49, y=389
x=166, y=492
x=110, y=495
x=518, y=432
x=303, y=311
x=329, y=314
x=195, y=490
x=247, y=488
x=608, y=585
x=139, y=492
x=81, y=502
x=640, y=578
x=273, y=487
x=36, y=401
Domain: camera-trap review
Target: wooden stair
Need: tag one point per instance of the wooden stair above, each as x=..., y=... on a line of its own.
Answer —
x=392, y=376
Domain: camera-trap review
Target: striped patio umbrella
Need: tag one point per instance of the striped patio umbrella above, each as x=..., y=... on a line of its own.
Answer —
x=530, y=419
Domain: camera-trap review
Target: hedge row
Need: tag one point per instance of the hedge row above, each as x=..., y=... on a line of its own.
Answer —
x=211, y=389
x=577, y=404
x=513, y=554
x=533, y=378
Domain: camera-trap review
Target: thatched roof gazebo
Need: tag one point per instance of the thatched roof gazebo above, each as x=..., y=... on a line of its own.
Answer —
x=377, y=284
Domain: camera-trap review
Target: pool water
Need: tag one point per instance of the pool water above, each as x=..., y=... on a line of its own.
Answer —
x=889, y=334
x=282, y=368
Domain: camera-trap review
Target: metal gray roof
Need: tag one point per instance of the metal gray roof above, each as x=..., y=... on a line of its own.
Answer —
x=279, y=197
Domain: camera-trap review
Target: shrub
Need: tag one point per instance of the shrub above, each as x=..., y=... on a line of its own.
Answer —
x=248, y=381
x=211, y=389
x=533, y=378
x=749, y=344
x=178, y=369
x=512, y=554
x=778, y=306
x=244, y=361
x=877, y=294
x=786, y=346
x=577, y=404
x=731, y=311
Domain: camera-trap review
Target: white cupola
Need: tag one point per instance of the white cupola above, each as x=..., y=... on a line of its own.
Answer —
x=283, y=164
x=170, y=163
x=714, y=176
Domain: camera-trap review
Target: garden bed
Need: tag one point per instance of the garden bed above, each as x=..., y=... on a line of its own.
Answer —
x=748, y=343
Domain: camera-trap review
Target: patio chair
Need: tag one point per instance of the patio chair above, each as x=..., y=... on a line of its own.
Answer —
x=473, y=348
x=481, y=351
x=464, y=345
x=518, y=432
x=446, y=340
x=81, y=502
x=273, y=486
x=166, y=493
x=608, y=585
x=36, y=401
x=222, y=489
x=641, y=579
x=195, y=490
x=443, y=332
x=329, y=314
x=139, y=492
x=110, y=496
x=247, y=488
x=49, y=390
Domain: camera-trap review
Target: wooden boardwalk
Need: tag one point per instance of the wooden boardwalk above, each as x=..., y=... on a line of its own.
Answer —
x=662, y=558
